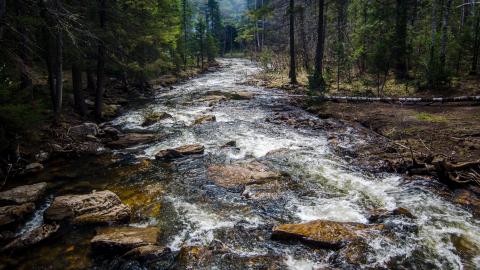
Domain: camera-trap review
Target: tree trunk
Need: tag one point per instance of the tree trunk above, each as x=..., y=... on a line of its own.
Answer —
x=444, y=38
x=293, y=71
x=476, y=45
x=24, y=63
x=303, y=36
x=58, y=73
x=185, y=37
x=318, y=82
x=400, y=48
x=100, y=64
x=91, y=84
x=433, y=41
x=3, y=11
x=77, y=90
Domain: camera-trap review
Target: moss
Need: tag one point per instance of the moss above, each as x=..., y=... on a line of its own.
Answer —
x=427, y=117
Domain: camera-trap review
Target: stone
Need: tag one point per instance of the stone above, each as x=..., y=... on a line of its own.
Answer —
x=94, y=208
x=124, y=239
x=111, y=132
x=230, y=144
x=242, y=95
x=239, y=175
x=23, y=194
x=132, y=139
x=205, y=119
x=110, y=110
x=34, y=237
x=155, y=117
x=82, y=131
x=323, y=233
x=148, y=253
x=14, y=214
x=186, y=150
x=379, y=215
x=33, y=168
x=355, y=253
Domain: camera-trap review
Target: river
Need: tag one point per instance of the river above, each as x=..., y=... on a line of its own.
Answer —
x=192, y=211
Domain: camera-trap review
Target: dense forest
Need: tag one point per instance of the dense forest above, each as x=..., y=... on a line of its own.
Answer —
x=239, y=134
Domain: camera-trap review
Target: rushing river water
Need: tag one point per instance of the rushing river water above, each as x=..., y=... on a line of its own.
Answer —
x=191, y=210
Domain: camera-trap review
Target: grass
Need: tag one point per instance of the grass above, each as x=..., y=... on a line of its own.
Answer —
x=432, y=118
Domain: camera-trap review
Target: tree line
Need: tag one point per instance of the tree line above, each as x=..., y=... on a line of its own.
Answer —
x=45, y=43
x=422, y=42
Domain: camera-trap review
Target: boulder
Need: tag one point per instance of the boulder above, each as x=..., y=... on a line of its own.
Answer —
x=205, y=119
x=148, y=253
x=132, y=139
x=155, y=117
x=242, y=95
x=33, y=168
x=111, y=133
x=94, y=208
x=15, y=214
x=32, y=238
x=186, y=150
x=124, y=239
x=110, y=110
x=323, y=233
x=82, y=131
x=240, y=175
x=23, y=194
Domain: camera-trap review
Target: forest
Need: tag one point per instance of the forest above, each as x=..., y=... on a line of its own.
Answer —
x=239, y=134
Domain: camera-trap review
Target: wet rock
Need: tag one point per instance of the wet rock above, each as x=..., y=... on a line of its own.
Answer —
x=132, y=139
x=467, y=198
x=155, y=117
x=186, y=150
x=355, y=253
x=266, y=191
x=205, y=119
x=110, y=110
x=230, y=144
x=81, y=131
x=148, y=253
x=23, y=194
x=34, y=237
x=212, y=99
x=379, y=215
x=239, y=175
x=94, y=208
x=90, y=148
x=14, y=214
x=111, y=133
x=323, y=233
x=124, y=239
x=242, y=95
x=33, y=168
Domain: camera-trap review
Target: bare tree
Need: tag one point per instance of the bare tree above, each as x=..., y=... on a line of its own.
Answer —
x=293, y=71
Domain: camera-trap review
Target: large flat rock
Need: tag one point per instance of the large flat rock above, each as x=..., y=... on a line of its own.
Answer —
x=240, y=175
x=132, y=139
x=186, y=150
x=23, y=194
x=125, y=239
x=97, y=207
x=34, y=237
x=323, y=233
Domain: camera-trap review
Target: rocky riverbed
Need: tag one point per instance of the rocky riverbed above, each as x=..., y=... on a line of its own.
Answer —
x=214, y=174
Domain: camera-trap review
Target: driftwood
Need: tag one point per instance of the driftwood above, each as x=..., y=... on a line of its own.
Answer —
x=450, y=173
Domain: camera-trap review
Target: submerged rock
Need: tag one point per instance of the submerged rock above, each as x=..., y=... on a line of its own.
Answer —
x=33, y=168
x=32, y=238
x=205, y=119
x=153, y=118
x=379, y=215
x=148, y=253
x=14, y=214
x=132, y=139
x=323, y=233
x=186, y=150
x=23, y=194
x=124, y=239
x=97, y=207
x=240, y=175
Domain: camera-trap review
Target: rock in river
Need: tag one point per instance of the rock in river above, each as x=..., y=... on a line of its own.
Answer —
x=124, y=239
x=205, y=119
x=14, y=214
x=94, y=208
x=239, y=175
x=186, y=150
x=32, y=238
x=82, y=131
x=23, y=194
x=148, y=253
x=132, y=139
x=323, y=233
x=155, y=117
